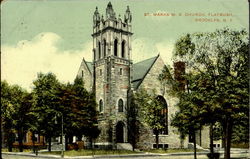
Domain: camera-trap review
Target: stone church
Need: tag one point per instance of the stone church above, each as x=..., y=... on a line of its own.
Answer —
x=112, y=74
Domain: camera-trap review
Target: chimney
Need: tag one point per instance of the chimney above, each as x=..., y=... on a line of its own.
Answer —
x=179, y=71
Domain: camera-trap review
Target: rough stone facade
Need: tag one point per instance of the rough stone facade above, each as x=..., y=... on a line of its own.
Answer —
x=172, y=138
x=112, y=75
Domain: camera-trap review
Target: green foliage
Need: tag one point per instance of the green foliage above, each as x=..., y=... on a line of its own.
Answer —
x=133, y=120
x=45, y=90
x=85, y=111
x=150, y=107
x=17, y=106
x=151, y=110
x=218, y=62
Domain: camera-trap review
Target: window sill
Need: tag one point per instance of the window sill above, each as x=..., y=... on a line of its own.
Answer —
x=162, y=135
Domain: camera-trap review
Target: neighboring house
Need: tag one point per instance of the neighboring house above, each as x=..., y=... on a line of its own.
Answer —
x=112, y=75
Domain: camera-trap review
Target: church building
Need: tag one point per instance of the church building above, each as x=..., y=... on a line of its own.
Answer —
x=112, y=74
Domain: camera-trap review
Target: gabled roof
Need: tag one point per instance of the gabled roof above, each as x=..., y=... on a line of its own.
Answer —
x=140, y=70
x=90, y=66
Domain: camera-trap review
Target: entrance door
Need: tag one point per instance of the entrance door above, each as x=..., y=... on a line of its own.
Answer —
x=119, y=132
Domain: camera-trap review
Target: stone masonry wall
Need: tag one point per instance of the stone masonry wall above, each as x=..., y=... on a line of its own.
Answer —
x=86, y=75
x=151, y=83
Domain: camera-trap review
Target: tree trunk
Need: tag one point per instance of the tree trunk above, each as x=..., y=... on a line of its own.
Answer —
x=91, y=142
x=228, y=136
x=20, y=141
x=33, y=142
x=10, y=140
x=211, y=139
x=195, y=157
x=49, y=140
x=157, y=138
x=66, y=142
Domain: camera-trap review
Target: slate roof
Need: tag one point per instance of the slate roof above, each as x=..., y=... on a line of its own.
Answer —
x=140, y=70
x=90, y=66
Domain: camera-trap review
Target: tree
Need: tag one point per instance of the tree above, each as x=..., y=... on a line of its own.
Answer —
x=151, y=111
x=79, y=111
x=7, y=110
x=45, y=89
x=133, y=121
x=86, y=113
x=188, y=120
x=17, y=107
x=221, y=59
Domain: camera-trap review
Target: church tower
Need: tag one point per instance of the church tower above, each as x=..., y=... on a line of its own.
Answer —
x=112, y=67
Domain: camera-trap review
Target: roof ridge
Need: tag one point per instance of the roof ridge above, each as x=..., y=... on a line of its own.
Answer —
x=156, y=57
x=147, y=59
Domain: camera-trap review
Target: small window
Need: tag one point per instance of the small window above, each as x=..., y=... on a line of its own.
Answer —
x=120, y=105
x=123, y=49
x=104, y=48
x=100, y=72
x=115, y=47
x=99, y=50
x=82, y=74
x=94, y=54
x=101, y=106
x=120, y=72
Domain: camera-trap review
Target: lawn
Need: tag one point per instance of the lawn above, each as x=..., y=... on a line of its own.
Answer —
x=170, y=150
x=16, y=150
x=87, y=152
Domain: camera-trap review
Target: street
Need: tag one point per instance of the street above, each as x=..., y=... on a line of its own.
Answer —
x=233, y=156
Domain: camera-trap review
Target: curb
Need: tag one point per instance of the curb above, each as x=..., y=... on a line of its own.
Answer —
x=113, y=156
x=103, y=156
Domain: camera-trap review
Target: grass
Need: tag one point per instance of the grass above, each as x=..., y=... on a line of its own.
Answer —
x=171, y=150
x=16, y=150
x=87, y=152
x=240, y=145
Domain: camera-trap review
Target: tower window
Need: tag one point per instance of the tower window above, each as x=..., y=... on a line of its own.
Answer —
x=123, y=48
x=104, y=48
x=101, y=106
x=82, y=74
x=120, y=72
x=94, y=54
x=120, y=105
x=99, y=49
x=100, y=72
x=115, y=47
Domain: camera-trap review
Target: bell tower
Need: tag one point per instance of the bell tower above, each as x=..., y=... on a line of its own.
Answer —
x=112, y=72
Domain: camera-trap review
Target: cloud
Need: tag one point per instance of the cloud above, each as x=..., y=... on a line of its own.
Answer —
x=21, y=63
x=165, y=49
x=143, y=48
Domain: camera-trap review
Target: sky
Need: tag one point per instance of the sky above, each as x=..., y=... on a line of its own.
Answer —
x=55, y=35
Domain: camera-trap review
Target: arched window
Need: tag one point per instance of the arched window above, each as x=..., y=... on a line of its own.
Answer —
x=104, y=48
x=120, y=105
x=115, y=47
x=94, y=54
x=163, y=114
x=101, y=106
x=99, y=50
x=123, y=48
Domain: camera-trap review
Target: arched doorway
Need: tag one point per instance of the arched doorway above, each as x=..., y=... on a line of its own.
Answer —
x=120, y=132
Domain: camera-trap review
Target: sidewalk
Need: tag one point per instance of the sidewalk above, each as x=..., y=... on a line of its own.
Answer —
x=143, y=154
